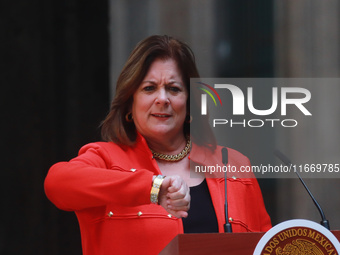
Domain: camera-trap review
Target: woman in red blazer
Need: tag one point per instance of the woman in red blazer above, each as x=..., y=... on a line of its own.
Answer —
x=133, y=193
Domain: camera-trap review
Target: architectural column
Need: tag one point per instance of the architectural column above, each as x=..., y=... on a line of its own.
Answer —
x=132, y=21
x=307, y=46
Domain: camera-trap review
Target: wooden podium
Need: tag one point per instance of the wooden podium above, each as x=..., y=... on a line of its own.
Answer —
x=225, y=243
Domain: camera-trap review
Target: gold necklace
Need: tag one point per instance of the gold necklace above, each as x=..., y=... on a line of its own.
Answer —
x=176, y=157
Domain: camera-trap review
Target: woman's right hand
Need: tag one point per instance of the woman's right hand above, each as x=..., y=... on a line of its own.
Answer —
x=174, y=196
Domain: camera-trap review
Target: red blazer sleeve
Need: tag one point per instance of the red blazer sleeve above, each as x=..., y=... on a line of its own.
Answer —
x=92, y=180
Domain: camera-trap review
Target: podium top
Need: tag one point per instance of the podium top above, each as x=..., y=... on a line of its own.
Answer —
x=216, y=243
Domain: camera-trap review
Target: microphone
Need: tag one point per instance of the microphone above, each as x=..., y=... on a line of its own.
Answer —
x=287, y=162
x=227, y=225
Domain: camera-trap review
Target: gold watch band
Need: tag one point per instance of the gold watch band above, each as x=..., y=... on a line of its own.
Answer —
x=156, y=185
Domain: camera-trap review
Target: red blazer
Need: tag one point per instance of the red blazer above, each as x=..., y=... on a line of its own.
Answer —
x=109, y=186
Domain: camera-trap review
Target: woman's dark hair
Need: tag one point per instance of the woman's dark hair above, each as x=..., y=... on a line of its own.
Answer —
x=115, y=128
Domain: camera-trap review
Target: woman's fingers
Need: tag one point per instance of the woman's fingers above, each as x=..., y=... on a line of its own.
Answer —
x=175, y=196
x=180, y=202
x=178, y=214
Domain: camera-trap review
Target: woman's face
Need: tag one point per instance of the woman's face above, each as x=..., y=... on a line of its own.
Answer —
x=159, y=104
